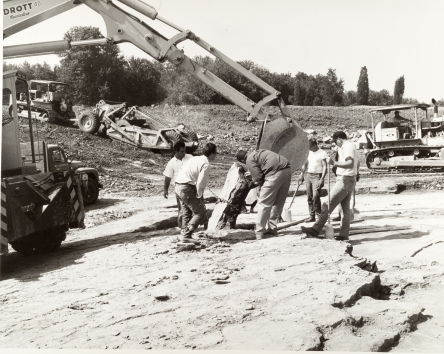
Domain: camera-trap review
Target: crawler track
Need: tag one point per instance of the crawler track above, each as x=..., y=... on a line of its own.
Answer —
x=378, y=161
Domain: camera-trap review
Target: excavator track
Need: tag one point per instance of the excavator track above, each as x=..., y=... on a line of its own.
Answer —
x=382, y=161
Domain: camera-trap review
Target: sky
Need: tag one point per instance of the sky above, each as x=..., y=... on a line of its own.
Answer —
x=392, y=38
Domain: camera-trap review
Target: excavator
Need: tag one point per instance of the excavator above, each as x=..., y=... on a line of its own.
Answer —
x=282, y=134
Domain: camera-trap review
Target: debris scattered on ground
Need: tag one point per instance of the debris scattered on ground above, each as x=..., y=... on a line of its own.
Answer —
x=162, y=297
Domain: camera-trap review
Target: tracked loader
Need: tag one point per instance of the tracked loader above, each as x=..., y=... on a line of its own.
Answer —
x=49, y=100
x=414, y=146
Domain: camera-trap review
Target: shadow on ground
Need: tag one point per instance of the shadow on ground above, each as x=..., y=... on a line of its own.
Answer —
x=103, y=203
x=394, y=236
x=30, y=268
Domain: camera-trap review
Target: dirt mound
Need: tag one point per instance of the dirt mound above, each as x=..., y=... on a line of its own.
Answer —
x=124, y=168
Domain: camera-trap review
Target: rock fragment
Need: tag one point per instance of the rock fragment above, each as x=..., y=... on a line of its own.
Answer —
x=161, y=297
x=181, y=247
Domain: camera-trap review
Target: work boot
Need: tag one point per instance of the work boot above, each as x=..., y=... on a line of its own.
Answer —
x=310, y=232
x=310, y=219
x=188, y=231
x=338, y=218
x=260, y=236
x=341, y=238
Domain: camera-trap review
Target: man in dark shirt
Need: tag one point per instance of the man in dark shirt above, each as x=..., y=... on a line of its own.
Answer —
x=272, y=173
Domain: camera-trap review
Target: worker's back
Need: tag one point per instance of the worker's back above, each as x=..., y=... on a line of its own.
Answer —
x=269, y=161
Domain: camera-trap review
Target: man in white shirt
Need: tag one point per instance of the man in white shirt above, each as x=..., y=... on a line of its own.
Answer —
x=347, y=169
x=190, y=185
x=172, y=169
x=316, y=168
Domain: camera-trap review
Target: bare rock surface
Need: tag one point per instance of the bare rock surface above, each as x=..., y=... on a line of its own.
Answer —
x=122, y=284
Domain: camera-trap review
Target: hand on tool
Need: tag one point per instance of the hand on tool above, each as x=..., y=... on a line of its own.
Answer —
x=301, y=178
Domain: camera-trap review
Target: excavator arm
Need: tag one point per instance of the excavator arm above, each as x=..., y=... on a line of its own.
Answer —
x=125, y=27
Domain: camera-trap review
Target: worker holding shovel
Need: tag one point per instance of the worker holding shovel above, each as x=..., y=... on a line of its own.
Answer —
x=316, y=168
x=354, y=212
x=342, y=191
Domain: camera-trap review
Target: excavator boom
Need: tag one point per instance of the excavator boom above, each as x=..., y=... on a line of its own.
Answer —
x=123, y=26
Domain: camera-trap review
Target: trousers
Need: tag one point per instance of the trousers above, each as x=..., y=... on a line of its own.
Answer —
x=194, y=211
x=339, y=194
x=313, y=187
x=271, y=200
x=179, y=212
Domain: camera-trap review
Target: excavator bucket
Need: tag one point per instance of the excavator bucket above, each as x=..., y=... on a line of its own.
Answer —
x=286, y=139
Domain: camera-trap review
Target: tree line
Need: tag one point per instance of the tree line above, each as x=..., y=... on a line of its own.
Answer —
x=102, y=72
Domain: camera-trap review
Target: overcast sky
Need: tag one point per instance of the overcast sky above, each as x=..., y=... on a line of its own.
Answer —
x=390, y=37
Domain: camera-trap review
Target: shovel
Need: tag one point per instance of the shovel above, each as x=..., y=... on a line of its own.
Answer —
x=329, y=232
x=287, y=213
x=355, y=214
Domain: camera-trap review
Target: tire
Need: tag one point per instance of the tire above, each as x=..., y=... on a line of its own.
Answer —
x=192, y=136
x=90, y=193
x=40, y=242
x=172, y=137
x=89, y=122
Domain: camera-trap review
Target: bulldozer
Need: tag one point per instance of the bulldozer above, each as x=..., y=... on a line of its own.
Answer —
x=49, y=101
x=130, y=125
x=38, y=206
x=410, y=146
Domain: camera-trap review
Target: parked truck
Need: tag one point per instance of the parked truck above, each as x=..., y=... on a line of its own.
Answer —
x=38, y=206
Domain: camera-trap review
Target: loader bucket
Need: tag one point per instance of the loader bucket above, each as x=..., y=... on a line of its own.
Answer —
x=286, y=139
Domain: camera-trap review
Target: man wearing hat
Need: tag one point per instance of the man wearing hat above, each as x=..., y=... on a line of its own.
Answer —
x=272, y=173
x=314, y=169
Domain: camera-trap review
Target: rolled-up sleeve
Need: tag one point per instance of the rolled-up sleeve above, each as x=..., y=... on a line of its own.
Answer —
x=202, y=180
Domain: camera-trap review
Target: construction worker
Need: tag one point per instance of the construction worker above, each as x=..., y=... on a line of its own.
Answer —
x=191, y=182
x=172, y=169
x=272, y=173
x=316, y=168
x=399, y=120
x=342, y=191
